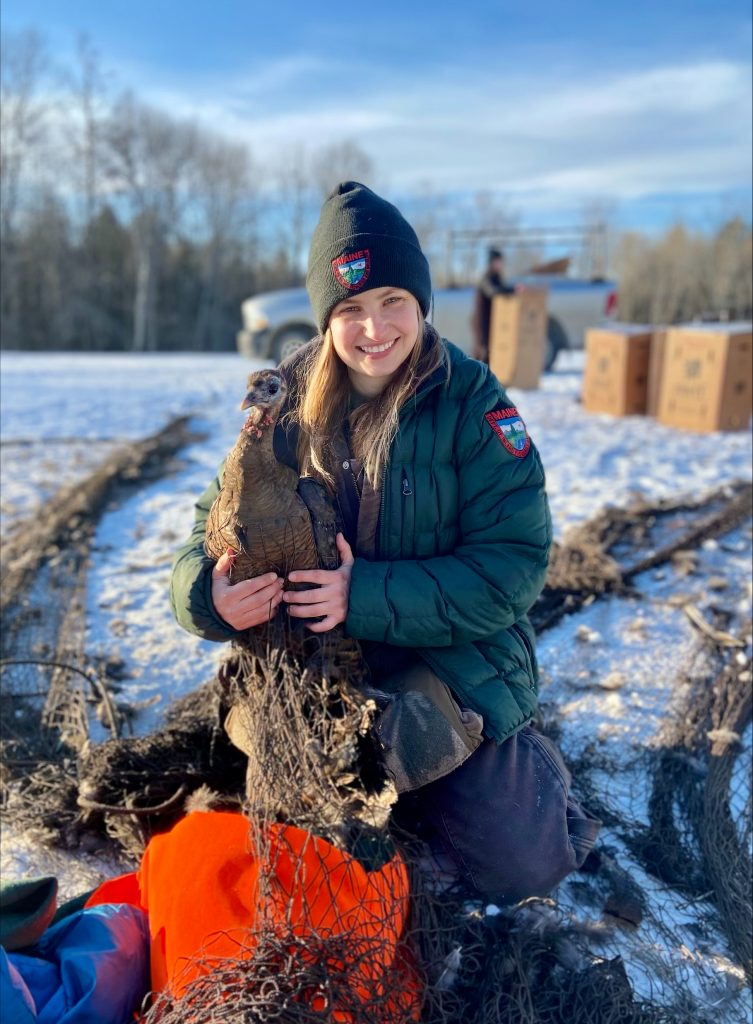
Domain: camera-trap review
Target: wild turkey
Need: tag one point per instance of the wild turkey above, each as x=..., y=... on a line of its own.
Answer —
x=294, y=702
x=259, y=512
x=300, y=709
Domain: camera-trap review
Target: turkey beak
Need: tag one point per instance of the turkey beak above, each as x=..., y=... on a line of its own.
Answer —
x=247, y=402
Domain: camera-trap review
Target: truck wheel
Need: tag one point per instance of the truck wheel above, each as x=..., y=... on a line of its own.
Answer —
x=556, y=340
x=289, y=340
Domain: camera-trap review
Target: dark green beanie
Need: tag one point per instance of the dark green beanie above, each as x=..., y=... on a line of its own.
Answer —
x=363, y=242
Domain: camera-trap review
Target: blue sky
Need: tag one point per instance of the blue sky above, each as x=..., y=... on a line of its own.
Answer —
x=646, y=105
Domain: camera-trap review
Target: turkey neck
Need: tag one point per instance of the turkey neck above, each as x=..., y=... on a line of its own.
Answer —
x=266, y=488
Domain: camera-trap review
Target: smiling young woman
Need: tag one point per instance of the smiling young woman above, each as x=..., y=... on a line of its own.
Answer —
x=375, y=353
x=446, y=534
x=373, y=335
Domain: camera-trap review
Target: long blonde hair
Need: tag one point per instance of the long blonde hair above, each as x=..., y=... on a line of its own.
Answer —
x=322, y=397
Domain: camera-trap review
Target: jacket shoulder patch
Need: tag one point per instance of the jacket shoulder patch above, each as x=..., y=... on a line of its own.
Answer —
x=511, y=430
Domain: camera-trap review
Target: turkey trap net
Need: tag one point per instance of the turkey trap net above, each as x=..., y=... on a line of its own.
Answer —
x=354, y=921
x=357, y=922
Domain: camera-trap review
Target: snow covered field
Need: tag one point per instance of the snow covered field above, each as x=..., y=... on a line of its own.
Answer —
x=610, y=673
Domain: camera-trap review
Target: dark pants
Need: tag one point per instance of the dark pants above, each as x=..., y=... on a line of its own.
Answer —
x=505, y=817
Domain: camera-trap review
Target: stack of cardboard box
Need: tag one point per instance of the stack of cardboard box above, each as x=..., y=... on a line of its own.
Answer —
x=517, y=337
x=616, y=375
x=695, y=376
x=707, y=377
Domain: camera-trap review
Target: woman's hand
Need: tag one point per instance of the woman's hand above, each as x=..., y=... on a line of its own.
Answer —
x=244, y=604
x=329, y=599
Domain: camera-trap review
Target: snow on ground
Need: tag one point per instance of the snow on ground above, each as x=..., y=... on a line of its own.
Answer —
x=596, y=460
x=618, y=672
x=61, y=413
x=611, y=688
x=50, y=400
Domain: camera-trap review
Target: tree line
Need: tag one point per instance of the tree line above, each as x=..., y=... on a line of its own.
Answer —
x=683, y=276
x=123, y=227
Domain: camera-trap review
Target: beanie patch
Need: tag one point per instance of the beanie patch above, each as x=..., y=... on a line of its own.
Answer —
x=352, y=268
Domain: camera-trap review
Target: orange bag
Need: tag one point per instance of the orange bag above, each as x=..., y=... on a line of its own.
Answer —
x=202, y=888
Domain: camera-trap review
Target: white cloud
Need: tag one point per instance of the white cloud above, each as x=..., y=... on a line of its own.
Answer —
x=678, y=128
x=692, y=91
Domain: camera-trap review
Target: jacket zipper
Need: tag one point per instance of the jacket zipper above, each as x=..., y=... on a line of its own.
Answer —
x=520, y=633
x=385, y=475
x=380, y=521
x=523, y=639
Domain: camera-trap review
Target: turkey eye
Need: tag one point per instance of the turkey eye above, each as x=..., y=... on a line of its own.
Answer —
x=273, y=388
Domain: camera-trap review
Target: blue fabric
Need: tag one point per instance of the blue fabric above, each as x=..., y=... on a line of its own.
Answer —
x=90, y=968
x=16, y=1002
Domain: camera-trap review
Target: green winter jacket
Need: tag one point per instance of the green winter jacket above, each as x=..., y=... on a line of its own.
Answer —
x=463, y=540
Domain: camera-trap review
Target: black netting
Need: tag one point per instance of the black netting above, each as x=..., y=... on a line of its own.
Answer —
x=424, y=949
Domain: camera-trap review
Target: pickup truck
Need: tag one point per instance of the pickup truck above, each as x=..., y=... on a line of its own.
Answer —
x=277, y=323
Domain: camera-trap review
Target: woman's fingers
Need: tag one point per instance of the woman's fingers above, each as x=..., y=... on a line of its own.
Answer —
x=320, y=576
x=313, y=596
x=253, y=602
x=248, y=603
x=324, y=576
x=344, y=550
x=221, y=577
x=261, y=596
x=327, y=623
x=248, y=588
x=255, y=615
x=330, y=599
x=329, y=614
x=308, y=611
x=223, y=564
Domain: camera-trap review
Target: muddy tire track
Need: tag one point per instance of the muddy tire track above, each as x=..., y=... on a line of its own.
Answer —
x=66, y=522
x=43, y=688
x=606, y=554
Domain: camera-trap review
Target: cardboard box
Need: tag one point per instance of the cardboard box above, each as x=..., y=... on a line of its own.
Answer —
x=517, y=337
x=655, y=369
x=707, y=382
x=615, y=380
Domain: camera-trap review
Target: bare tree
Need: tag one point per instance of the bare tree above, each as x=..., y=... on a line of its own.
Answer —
x=223, y=199
x=682, y=285
x=427, y=211
x=296, y=202
x=340, y=161
x=87, y=114
x=22, y=69
x=597, y=218
x=634, y=264
x=681, y=276
x=494, y=212
x=731, y=270
x=150, y=162
x=84, y=121
x=23, y=126
x=304, y=179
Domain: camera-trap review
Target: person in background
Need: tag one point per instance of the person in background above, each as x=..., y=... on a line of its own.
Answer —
x=445, y=542
x=491, y=284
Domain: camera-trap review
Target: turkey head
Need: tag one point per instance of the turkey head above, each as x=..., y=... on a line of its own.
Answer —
x=266, y=392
